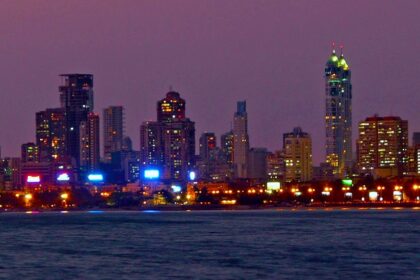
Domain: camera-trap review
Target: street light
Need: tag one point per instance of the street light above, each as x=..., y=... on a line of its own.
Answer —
x=416, y=189
x=363, y=189
x=380, y=190
x=28, y=197
x=64, y=197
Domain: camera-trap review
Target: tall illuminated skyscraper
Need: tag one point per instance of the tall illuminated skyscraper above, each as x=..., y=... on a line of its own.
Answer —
x=169, y=143
x=89, y=143
x=76, y=97
x=240, y=141
x=51, y=135
x=113, y=118
x=338, y=115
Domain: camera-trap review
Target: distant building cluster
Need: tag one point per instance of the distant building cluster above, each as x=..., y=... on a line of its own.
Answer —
x=67, y=150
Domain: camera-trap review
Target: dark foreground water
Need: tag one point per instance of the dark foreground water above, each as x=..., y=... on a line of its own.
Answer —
x=320, y=244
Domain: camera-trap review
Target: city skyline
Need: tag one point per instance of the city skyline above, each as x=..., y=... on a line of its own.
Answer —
x=221, y=79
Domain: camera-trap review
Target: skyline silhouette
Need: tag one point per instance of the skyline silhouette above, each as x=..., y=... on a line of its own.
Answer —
x=213, y=54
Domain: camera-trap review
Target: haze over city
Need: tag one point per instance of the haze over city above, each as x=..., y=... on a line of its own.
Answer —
x=270, y=53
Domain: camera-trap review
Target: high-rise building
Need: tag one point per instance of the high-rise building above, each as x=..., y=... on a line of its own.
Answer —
x=151, y=144
x=383, y=145
x=51, y=135
x=76, y=98
x=89, y=143
x=169, y=143
x=297, y=147
x=113, y=130
x=29, y=152
x=338, y=115
x=206, y=162
x=240, y=141
x=207, y=143
x=179, y=149
x=226, y=144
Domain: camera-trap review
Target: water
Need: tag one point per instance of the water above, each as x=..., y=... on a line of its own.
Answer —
x=303, y=244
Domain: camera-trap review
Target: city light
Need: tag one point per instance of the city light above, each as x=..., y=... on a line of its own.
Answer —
x=64, y=196
x=192, y=175
x=95, y=177
x=63, y=177
x=151, y=173
x=33, y=179
x=373, y=196
x=176, y=188
x=273, y=186
x=347, y=182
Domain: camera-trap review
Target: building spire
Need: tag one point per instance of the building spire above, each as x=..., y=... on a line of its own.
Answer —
x=333, y=47
x=341, y=50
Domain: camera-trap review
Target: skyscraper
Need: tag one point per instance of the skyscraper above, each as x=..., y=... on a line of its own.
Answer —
x=338, y=115
x=151, y=144
x=207, y=143
x=76, y=97
x=226, y=144
x=207, y=156
x=169, y=143
x=51, y=135
x=383, y=144
x=89, y=143
x=297, y=147
x=240, y=141
x=113, y=130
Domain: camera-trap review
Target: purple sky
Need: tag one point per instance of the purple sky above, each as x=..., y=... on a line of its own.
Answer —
x=271, y=53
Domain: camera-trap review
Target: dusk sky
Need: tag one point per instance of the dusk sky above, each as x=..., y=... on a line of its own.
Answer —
x=270, y=53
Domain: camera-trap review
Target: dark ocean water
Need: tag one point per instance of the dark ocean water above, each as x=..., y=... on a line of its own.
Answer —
x=278, y=244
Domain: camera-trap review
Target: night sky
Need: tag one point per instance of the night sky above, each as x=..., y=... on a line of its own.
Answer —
x=270, y=53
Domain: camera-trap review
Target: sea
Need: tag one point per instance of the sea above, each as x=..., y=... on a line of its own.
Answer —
x=325, y=243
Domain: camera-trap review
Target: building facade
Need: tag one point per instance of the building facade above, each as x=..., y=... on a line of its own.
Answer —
x=383, y=145
x=297, y=147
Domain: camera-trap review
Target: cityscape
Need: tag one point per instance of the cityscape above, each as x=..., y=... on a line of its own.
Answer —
x=65, y=169
x=203, y=139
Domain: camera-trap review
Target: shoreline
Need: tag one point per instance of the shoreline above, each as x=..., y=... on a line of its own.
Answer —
x=187, y=208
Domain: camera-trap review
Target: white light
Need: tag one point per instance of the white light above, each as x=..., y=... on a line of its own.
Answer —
x=95, y=177
x=33, y=179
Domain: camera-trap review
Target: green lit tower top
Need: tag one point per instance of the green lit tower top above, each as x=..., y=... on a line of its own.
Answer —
x=338, y=121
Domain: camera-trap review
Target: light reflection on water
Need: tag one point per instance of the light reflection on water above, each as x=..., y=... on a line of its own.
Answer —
x=304, y=243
